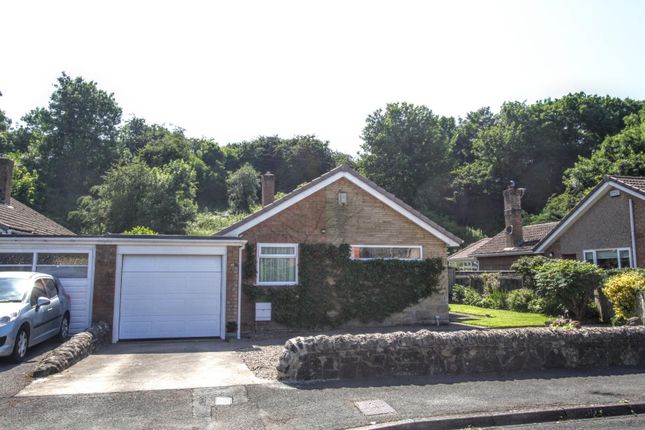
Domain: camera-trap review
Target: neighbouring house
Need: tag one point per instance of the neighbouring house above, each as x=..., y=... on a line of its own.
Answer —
x=17, y=218
x=339, y=207
x=465, y=259
x=607, y=227
x=166, y=286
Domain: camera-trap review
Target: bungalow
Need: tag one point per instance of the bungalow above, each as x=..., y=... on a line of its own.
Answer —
x=464, y=259
x=181, y=286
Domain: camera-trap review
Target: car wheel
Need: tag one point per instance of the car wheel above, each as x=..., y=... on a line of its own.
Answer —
x=63, y=334
x=20, y=346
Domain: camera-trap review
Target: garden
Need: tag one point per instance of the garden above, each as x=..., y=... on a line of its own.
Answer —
x=552, y=290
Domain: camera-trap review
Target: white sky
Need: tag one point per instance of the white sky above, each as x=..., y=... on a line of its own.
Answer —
x=239, y=69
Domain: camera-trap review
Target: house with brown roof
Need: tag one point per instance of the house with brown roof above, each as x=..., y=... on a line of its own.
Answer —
x=465, y=259
x=17, y=218
x=607, y=228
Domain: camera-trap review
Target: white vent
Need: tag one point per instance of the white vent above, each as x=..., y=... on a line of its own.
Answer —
x=263, y=311
x=614, y=193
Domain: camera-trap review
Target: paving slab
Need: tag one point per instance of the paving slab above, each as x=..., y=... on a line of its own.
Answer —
x=149, y=366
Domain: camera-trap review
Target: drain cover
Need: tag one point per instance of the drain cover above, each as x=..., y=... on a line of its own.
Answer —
x=223, y=401
x=374, y=407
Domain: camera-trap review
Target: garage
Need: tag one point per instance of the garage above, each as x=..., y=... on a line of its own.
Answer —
x=171, y=296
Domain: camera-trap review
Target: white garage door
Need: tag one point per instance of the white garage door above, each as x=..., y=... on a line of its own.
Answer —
x=164, y=296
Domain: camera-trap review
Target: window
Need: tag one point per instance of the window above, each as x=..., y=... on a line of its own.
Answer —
x=609, y=258
x=67, y=265
x=277, y=264
x=50, y=286
x=37, y=292
x=370, y=252
x=16, y=262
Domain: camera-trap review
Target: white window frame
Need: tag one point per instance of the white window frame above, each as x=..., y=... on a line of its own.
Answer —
x=419, y=247
x=259, y=255
x=595, y=257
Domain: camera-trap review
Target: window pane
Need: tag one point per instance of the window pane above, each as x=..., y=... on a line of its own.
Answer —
x=589, y=257
x=624, y=258
x=385, y=252
x=63, y=259
x=12, y=258
x=36, y=292
x=277, y=270
x=24, y=268
x=64, y=271
x=607, y=259
x=272, y=250
x=51, y=288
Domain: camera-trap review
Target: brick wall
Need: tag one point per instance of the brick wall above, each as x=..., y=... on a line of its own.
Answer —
x=232, y=265
x=503, y=262
x=364, y=220
x=104, y=277
x=639, y=230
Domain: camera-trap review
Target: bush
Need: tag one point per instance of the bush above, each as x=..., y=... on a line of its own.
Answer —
x=458, y=292
x=141, y=230
x=472, y=297
x=491, y=282
x=494, y=300
x=569, y=283
x=519, y=300
x=622, y=290
x=527, y=267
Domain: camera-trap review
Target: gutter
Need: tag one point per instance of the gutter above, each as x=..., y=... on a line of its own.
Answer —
x=239, y=292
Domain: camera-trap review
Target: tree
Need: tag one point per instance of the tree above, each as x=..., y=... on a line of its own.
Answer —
x=405, y=150
x=243, y=186
x=621, y=154
x=72, y=142
x=135, y=194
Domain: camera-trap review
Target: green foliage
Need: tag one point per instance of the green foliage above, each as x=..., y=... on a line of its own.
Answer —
x=161, y=198
x=527, y=267
x=519, y=300
x=209, y=223
x=622, y=290
x=72, y=142
x=472, y=297
x=491, y=282
x=334, y=289
x=458, y=293
x=406, y=151
x=243, y=187
x=570, y=283
x=494, y=300
x=141, y=230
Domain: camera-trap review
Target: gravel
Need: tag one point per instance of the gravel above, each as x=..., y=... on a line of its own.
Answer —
x=263, y=360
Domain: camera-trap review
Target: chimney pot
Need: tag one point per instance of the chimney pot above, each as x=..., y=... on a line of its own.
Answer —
x=268, y=188
x=513, y=215
x=6, y=179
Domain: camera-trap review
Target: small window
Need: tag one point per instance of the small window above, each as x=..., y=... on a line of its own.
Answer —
x=370, y=252
x=63, y=265
x=38, y=291
x=277, y=264
x=50, y=287
x=16, y=262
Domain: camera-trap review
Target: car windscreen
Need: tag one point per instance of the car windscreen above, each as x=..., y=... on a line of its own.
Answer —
x=13, y=289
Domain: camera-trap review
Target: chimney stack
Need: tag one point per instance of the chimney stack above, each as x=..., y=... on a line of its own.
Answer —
x=513, y=214
x=268, y=188
x=6, y=179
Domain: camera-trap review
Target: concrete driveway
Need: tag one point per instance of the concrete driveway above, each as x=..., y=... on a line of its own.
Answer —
x=150, y=365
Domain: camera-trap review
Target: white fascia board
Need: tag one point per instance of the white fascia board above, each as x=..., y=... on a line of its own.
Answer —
x=6, y=240
x=591, y=200
x=292, y=201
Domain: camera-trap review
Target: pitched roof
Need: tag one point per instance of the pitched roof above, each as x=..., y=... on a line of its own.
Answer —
x=532, y=235
x=23, y=220
x=468, y=251
x=328, y=178
x=634, y=185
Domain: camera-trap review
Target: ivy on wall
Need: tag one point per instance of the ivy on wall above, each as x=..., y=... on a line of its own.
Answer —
x=334, y=289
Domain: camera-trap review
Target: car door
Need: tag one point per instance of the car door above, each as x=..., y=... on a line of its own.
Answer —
x=38, y=315
x=54, y=311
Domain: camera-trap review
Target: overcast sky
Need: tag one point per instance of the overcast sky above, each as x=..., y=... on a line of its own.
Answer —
x=234, y=70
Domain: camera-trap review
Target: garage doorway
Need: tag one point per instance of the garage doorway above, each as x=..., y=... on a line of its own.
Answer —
x=171, y=296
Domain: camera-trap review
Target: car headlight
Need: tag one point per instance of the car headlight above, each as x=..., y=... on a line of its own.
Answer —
x=8, y=318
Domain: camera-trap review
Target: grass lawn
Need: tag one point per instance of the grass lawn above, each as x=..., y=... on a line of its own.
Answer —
x=499, y=318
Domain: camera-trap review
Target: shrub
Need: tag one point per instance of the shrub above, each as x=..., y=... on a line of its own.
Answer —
x=472, y=297
x=622, y=290
x=527, y=268
x=458, y=293
x=570, y=283
x=491, y=282
x=494, y=300
x=519, y=300
x=141, y=230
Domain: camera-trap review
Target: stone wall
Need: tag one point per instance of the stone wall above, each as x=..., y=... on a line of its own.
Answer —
x=435, y=353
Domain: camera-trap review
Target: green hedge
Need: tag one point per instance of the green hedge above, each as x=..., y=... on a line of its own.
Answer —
x=334, y=289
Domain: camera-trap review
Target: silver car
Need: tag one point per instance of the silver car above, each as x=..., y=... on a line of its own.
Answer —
x=33, y=308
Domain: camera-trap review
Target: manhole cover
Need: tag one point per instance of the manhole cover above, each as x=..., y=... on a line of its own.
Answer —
x=223, y=401
x=374, y=407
